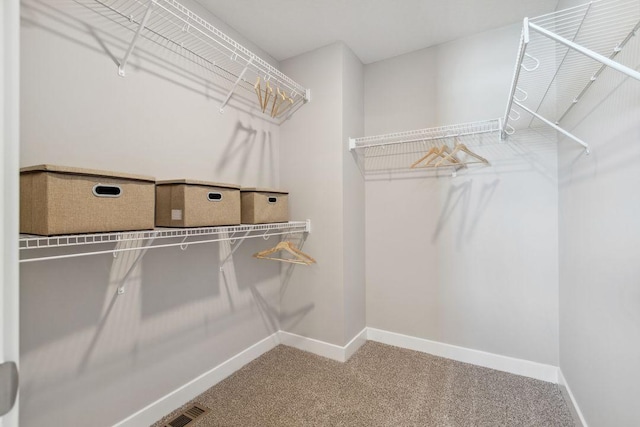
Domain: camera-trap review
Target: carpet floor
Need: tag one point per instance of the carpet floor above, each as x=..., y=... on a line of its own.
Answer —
x=380, y=385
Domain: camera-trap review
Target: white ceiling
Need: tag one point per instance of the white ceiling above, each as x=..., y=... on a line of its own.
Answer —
x=373, y=29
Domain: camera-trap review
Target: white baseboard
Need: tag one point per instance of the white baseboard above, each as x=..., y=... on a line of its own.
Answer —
x=571, y=401
x=512, y=365
x=322, y=348
x=158, y=409
x=353, y=345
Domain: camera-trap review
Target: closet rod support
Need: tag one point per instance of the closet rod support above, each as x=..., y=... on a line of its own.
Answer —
x=235, y=85
x=134, y=41
x=587, y=52
x=145, y=248
x=555, y=126
x=233, y=250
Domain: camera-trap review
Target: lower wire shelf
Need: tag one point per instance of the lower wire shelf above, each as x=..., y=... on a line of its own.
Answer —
x=38, y=248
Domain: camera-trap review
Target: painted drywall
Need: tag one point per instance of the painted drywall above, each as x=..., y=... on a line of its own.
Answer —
x=86, y=352
x=326, y=301
x=599, y=269
x=471, y=260
x=353, y=197
x=312, y=303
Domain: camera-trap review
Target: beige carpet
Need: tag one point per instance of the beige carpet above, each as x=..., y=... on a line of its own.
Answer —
x=380, y=385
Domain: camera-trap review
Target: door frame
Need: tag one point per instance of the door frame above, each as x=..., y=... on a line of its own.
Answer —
x=9, y=189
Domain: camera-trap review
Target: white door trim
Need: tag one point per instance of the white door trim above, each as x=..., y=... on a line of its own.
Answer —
x=9, y=185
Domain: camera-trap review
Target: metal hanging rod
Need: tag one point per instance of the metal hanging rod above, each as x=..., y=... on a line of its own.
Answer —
x=154, y=238
x=172, y=22
x=587, y=38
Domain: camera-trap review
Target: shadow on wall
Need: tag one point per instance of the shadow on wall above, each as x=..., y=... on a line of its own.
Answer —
x=459, y=198
x=292, y=317
x=615, y=97
x=77, y=327
x=240, y=146
x=95, y=27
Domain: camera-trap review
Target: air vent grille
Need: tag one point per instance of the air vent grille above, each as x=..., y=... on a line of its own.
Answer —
x=187, y=416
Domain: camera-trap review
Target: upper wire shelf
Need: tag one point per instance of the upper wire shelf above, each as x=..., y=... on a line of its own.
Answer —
x=170, y=24
x=158, y=238
x=561, y=55
x=399, y=151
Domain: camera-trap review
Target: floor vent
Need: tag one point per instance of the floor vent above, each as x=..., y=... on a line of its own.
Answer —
x=188, y=415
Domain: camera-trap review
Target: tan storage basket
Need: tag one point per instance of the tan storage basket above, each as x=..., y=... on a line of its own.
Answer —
x=65, y=200
x=264, y=205
x=189, y=203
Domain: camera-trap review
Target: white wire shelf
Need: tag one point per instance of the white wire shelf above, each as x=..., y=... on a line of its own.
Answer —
x=35, y=248
x=561, y=55
x=398, y=151
x=170, y=24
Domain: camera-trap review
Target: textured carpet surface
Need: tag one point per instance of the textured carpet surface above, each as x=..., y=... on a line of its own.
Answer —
x=380, y=385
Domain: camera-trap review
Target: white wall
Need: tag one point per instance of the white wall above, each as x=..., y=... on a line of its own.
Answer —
x=325, y=301
x=599, y=252
x=312, y=298
x=353, y=198
x=471, y=260
x=86, y=353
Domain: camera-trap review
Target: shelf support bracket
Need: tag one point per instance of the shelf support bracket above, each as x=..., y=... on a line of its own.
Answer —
x=555, y=126
x=235, y=85
x=235, y=248
x=134, y=41
x=143, y=252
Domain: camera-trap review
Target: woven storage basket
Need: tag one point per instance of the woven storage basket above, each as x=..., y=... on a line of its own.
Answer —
x=264, y=205
x=66, y=200
x=190, y=203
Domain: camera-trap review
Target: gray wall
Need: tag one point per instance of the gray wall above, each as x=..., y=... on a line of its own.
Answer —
x=87, y=353
x=471, y=260
x=312, y=298
x=353, y=197
x=599, y=252
x=317, y=165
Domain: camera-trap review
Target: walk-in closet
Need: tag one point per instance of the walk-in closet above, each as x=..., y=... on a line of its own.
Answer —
x=336, y=213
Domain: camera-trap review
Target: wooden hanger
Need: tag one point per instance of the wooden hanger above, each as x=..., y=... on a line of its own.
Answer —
x=288, y=101
x=299, y=256
x=423, y=158
x=258, y=90
x=268, y=92
x=443, y=152
x=277, y=102
x=461, y=147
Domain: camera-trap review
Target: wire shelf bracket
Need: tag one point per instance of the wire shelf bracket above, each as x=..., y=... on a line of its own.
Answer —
x=586, y=33
x=141, y=255
x=177, y=27
x=134, y=40
x=38, y=248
